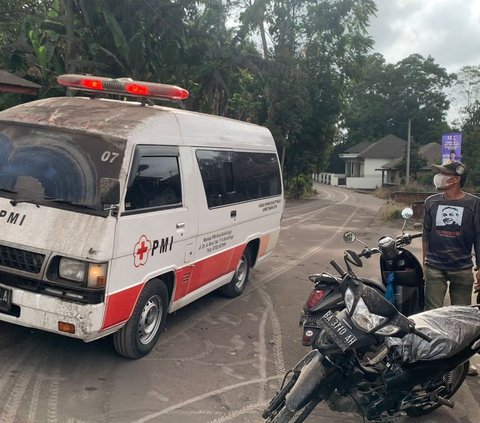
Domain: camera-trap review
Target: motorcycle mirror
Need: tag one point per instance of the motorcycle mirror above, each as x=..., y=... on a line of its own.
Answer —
x=352, y=257
x=407, y=213
x=349, y=237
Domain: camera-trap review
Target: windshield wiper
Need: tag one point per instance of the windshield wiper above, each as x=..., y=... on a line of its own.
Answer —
x=68, y=202
x=10, y=191
x=43, y=201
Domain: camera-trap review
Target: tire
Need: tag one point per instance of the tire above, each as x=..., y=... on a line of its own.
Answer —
x=458, y=376
x=138, y=337
x=240, y=278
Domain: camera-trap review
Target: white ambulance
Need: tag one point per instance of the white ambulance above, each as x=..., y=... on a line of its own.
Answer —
x=114, y=213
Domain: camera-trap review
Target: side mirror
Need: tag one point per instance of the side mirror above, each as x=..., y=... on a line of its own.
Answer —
x=407, y=213
x=109, y=191
x=349, y=237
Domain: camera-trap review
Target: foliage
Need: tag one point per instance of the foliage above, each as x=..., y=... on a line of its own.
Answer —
x=298, y=187
x=300, y=67
x=425, y=181
x=390, y=94
x=417, y=162
x=392, y=210
x=468, y=83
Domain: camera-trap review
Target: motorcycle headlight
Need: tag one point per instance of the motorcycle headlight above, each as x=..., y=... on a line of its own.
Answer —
x=349, y=298
x=364, y=319
x=388, y=330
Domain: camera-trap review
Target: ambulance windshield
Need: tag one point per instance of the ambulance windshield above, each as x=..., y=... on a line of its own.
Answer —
x=55, y=167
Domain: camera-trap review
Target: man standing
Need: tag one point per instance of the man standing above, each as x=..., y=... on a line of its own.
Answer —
x=451, y=227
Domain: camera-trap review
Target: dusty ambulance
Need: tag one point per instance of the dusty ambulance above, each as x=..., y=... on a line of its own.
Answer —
x=115, y=213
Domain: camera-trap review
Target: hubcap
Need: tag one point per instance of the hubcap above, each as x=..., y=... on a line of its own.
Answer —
x=150, y=319
x=241, y=272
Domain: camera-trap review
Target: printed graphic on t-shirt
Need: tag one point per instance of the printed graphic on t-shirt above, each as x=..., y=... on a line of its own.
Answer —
x=449, y=220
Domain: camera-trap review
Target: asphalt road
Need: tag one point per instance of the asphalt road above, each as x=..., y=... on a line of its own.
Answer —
x=220, y=360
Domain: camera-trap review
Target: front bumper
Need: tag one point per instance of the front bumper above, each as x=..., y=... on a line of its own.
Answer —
x=44, y=312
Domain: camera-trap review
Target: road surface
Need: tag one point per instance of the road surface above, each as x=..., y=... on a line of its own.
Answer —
x=220, y=360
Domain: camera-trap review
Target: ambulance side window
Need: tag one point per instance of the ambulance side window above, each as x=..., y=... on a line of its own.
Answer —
x=154, y=181
x=237, y=176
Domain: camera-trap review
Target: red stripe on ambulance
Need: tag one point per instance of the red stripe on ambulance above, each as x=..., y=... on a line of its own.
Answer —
x=120, y=305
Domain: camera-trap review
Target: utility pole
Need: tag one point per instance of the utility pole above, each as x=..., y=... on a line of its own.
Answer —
x=407, y=177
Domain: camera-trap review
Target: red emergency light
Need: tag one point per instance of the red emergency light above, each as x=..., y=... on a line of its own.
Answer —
x=122, y=86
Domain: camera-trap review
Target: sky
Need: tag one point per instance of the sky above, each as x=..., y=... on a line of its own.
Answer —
x=447, y=30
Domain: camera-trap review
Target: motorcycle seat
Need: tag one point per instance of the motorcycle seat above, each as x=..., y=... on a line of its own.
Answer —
x=372, y=283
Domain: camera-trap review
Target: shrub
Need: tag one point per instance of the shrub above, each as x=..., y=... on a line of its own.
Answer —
x=392, y=211
x=298, y=187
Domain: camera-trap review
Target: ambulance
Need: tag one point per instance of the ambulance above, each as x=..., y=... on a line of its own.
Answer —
x=115, y=213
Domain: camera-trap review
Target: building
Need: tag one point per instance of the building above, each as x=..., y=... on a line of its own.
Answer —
x=365, y=162
x=10, y=83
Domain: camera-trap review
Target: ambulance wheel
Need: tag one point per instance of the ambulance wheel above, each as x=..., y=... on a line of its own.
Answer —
x=138, y=337
x=240, y=278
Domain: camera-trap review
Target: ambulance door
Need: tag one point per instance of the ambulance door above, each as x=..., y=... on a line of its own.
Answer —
x=156, y=230
x=217, y=225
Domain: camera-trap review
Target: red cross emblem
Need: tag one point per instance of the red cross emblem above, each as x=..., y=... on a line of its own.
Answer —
x=141, y=250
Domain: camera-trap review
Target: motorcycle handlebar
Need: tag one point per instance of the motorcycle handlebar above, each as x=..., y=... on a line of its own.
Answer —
x=405, y=239
x=368, y=252
x=338, y=268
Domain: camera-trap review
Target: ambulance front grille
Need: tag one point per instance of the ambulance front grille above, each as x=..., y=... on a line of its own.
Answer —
x=26, y=261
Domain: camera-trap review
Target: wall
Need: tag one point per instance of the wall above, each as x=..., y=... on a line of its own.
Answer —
x=329, y=178
x=372, y=164
x=365, y=183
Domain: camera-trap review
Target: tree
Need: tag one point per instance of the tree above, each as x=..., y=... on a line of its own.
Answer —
x=468, y=84
x=317, y=46
x=417, y=162
x=390, y=94
x=295, y=81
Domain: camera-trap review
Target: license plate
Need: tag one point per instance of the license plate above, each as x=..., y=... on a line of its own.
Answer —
x=337, y=330
x=5, y=299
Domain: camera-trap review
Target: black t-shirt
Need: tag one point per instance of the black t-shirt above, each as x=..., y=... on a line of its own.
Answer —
x=452, y=228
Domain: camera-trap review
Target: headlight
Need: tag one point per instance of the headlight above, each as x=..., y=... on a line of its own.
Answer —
x=349, y=298
x=388, y=330
x=364, y=319
x=73, y=270
x=94, y=274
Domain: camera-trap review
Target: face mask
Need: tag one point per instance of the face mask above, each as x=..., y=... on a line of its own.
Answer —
x=440, y=181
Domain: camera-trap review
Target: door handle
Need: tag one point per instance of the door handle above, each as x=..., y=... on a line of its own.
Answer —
x=233, y=213
x=180, y=225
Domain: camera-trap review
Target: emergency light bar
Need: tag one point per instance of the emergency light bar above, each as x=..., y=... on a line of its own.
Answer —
x=122, y=86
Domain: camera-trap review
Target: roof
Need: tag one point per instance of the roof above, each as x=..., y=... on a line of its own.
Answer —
x=125, y=119
x=357, y=148
x=431, y=152
x=393, y=163
x=10, y=79
x=389, y=147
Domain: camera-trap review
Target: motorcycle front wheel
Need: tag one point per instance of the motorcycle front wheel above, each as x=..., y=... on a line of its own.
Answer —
x=457, y=377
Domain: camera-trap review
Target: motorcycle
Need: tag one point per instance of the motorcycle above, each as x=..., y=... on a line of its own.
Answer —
x=377, y=362
x=401, y=275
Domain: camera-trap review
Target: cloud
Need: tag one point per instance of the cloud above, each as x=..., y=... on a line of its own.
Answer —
x=446, y=30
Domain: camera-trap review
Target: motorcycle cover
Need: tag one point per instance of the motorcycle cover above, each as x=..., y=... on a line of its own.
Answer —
x=452, y=329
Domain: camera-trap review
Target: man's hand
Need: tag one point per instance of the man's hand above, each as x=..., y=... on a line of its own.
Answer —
x=476, y=285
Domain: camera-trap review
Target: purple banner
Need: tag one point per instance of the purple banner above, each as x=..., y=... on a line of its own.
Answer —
x=452, y=147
